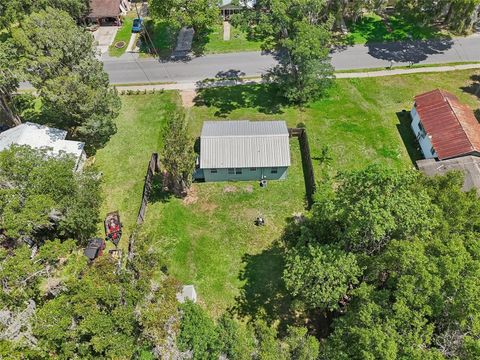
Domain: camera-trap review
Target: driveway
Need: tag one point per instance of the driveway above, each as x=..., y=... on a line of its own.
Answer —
x=104, y=37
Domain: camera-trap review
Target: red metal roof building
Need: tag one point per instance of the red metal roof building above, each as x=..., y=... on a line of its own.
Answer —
x=451, y=126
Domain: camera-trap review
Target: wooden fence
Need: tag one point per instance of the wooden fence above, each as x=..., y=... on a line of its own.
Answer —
x=153, y=168
x=308, y=173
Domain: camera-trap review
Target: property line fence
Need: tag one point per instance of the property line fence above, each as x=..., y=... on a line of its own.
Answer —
x=153, y=168
x=308, y=173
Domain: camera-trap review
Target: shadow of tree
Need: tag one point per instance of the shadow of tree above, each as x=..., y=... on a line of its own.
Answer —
x=220, y=93
x=408, y=51
x=264, y=294
x=408, y=137
x=158, y=192
x=200, y=40
x=474, y=87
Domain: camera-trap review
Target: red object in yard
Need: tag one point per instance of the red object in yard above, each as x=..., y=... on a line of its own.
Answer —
x=113, y=227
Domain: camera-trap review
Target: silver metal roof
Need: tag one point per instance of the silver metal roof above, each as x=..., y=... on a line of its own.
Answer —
x=39, y=136
x=243, y=144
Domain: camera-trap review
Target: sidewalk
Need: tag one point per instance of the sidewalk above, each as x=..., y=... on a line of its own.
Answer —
x=222, y=83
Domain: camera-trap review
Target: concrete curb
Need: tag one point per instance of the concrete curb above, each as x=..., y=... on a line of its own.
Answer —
x=222, y=83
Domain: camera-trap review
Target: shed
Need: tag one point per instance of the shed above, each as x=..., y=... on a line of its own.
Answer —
x=43, y=137
x=188, y=293
x=244, y=150
x=444, y=127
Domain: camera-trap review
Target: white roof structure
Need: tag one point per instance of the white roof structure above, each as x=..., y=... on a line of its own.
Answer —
x=241, y=3
x=244, y=144
x=188, y=293
x=38, y=137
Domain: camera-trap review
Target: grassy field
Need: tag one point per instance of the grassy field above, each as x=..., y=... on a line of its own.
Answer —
x=209, y=239
x=372, y=28
x=123, y=34
x=163, y=37
x=238, y=41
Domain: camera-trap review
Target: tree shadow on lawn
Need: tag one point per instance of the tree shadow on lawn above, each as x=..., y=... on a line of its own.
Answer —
x=158, y=192
x=262, y=97
x=474, y=87
x=264, y=294
x=408, y=137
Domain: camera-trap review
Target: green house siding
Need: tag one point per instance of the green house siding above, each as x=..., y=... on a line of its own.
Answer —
x=245, y=174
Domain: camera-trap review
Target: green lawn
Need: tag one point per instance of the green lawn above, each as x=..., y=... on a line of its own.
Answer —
x=372, y=28
x=162, y=35
x=123, y=34
x=238, y=41
x=209, y=239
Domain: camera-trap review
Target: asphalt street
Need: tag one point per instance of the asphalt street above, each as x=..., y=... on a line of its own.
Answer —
x=130, y=69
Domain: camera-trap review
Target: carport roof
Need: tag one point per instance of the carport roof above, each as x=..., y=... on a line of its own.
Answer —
x=104, y=8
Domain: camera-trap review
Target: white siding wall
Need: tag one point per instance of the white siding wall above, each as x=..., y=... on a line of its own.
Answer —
x=422, y=137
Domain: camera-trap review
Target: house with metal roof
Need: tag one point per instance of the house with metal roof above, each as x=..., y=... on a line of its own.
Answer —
x=244, y=150
x=43, y=137
x=444, y=127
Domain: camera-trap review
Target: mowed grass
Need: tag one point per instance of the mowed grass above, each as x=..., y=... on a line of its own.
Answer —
x=124, y=160
x=372, y=28
x=123, y=34
x=209, y=239
x=238, y=41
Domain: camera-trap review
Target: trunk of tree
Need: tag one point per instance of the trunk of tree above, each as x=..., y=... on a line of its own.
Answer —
x=9, y=115
x=448, y=17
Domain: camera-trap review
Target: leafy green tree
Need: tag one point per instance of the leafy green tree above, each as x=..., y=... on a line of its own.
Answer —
x=320, y=275
x=74, y=89
x=198, y=333
x=41, y=194
x=300, y=31
x=236, y=341
x=198, y=14
x=178, y=156
x=13, y=11
x=301, y=346
x=9, y=80
x=372, y=206
x=305, y=71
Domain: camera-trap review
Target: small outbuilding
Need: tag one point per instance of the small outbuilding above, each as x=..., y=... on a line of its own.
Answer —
x=244, y=150
x=43, y=137
x=444, y=127
x=188, y=293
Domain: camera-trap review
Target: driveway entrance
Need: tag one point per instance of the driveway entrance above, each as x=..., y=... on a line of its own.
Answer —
x=104, y=36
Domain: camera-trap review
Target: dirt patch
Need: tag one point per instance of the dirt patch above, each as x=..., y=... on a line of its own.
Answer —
x=192, y=196
x=229, y=189
x=187, y=98
x=249, y=189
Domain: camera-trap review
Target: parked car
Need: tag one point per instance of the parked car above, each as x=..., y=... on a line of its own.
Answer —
x=137, y=25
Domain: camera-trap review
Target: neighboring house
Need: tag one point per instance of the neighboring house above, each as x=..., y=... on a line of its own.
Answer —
x=104, y=10
x=244, y=150
x=444, y=127
x=43, y=137
x=230, y=7
x=188, y=293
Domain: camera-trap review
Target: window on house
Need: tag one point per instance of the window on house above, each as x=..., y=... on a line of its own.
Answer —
x=253, y=169
x=432, y=151
x=274, y=170
x=213, y=171
x=238, y=171
x=231, y=171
